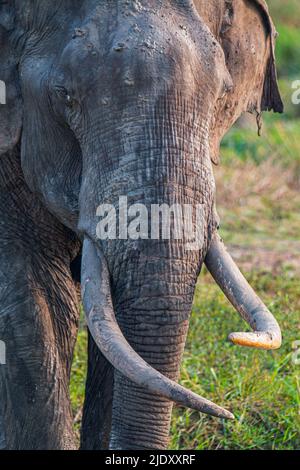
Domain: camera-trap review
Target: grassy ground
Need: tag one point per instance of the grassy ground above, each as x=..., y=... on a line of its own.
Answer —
x=258, y=185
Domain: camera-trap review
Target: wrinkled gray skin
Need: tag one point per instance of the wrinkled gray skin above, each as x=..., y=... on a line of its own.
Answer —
x=110, y=98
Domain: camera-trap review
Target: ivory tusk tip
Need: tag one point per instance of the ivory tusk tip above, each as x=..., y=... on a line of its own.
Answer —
x=217, y=411
x=256, y=339
x=228, y=415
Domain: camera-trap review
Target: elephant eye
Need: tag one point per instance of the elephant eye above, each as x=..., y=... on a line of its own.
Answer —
x=64, y=95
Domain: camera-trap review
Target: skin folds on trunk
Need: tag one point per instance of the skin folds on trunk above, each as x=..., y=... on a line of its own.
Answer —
x=152, y=283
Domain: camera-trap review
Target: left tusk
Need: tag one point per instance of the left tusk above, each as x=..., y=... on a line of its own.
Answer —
x=266, y=334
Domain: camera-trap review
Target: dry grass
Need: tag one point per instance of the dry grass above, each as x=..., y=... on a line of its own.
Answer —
x=259, y=208
x=249, y=184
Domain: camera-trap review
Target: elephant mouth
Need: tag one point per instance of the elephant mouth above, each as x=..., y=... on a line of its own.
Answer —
x=103, y=326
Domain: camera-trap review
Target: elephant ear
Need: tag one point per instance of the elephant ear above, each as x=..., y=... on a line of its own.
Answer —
x=271, y=99
x=247, y=36
x=10, y=93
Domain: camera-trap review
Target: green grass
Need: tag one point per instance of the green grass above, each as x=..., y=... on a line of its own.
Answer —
x=288, y=51
x=79, y=369
x=285, y=12
x=279, y=140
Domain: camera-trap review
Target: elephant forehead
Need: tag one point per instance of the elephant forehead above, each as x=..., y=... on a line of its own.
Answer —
x=112, y=47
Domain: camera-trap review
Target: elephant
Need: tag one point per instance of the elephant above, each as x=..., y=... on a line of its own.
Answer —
x=108, y=99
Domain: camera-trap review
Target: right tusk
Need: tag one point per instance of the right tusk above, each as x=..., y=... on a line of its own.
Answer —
x=102, y=323
x=266, y=334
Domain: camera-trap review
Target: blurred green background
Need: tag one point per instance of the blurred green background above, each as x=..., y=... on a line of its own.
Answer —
x=258, y=185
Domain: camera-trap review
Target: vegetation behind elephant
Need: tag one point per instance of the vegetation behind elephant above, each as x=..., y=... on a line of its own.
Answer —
x=108, y=100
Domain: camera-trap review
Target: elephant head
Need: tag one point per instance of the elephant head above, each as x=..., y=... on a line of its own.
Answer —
x=132, y=98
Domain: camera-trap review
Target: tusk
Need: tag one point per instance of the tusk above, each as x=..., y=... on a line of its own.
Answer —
x=266, y=334
x=102, y=323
